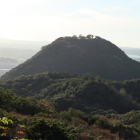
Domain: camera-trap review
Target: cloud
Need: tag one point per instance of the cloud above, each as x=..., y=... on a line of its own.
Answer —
x=137, y=2
x=20, y=7
x=114, y=8
x=19, y=3
x=83, y=21
x=93, y=16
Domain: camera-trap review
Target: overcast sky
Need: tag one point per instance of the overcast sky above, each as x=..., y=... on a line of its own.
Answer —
x=115, y=20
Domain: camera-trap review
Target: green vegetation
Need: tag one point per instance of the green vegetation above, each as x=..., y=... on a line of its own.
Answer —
x=5, y=132
x=10, y=101
x=54, y=105
x=80, y=55
x=69, y=107
x=86, y=92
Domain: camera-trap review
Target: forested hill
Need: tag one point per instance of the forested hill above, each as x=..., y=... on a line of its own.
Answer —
x=79, y=55
x=32, y=119
x=86, y=92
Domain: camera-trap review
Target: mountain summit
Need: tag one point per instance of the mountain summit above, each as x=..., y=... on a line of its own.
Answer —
x=79, y=55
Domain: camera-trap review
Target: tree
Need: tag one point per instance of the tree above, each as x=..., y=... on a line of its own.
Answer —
x=89, y=36
x=46, y=130
x=81, y=37
x=4, y=128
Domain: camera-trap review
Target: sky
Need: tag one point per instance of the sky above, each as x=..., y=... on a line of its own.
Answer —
x=34, y=20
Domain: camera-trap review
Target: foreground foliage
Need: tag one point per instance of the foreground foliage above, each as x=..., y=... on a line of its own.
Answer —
x=72, y=125
x=69, y=107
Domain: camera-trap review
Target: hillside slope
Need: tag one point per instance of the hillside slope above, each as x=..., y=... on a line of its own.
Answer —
x=84, y=92
x=78, y=56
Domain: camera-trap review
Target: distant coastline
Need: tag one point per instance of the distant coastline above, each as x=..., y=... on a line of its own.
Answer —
x=4, y=69
x=134, y=56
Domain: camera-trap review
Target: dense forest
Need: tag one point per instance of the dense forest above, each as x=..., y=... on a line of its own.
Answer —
x=80, y=55
x=76, y=88
x=61, y=106
x=85, y=92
